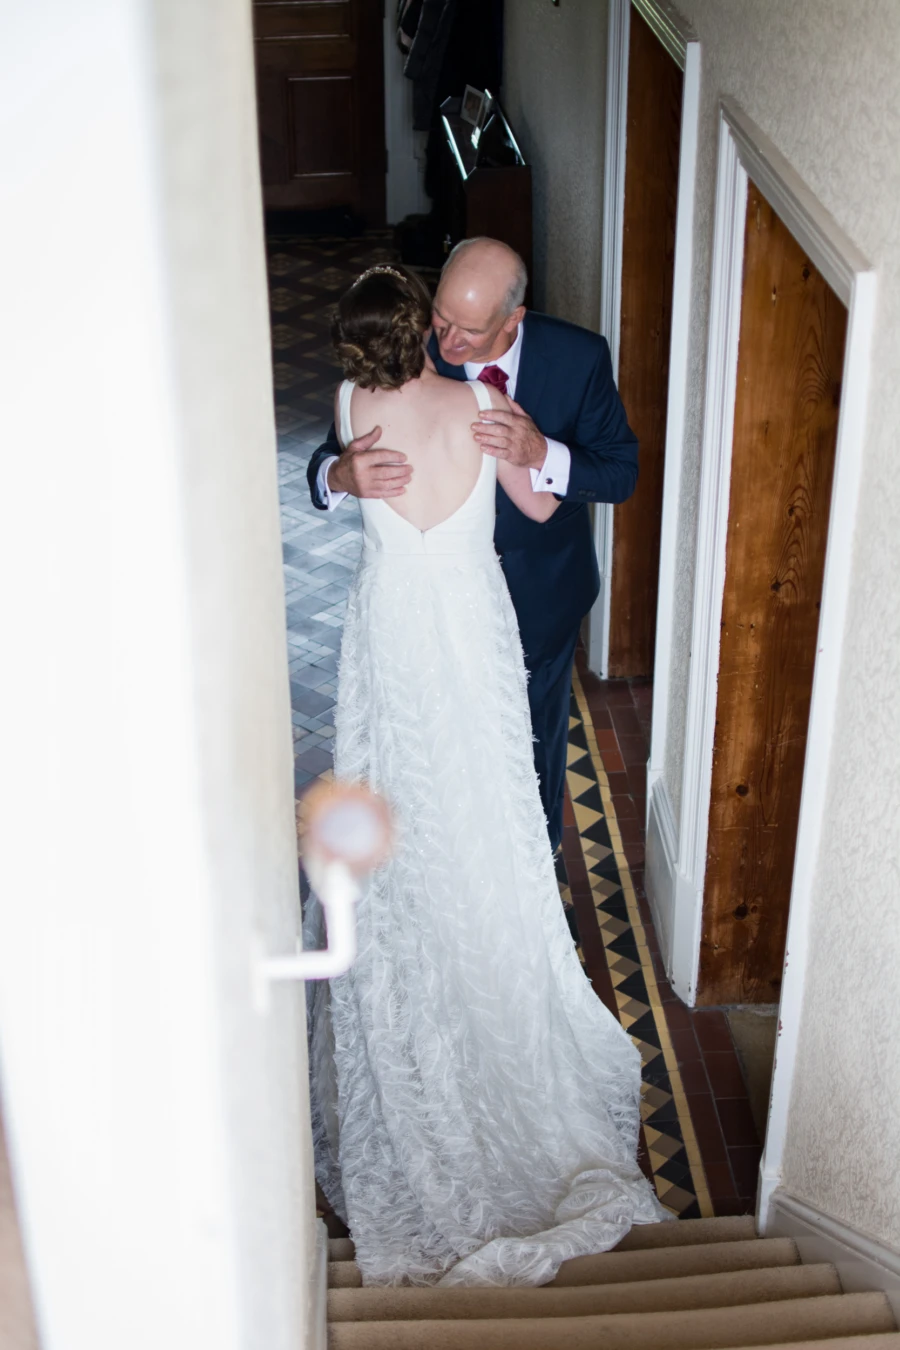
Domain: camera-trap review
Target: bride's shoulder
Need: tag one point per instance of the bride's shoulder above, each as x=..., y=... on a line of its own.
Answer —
x=459, y=391
x=462, y=398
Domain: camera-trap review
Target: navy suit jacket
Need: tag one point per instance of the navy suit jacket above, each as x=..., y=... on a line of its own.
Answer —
x=565, y=385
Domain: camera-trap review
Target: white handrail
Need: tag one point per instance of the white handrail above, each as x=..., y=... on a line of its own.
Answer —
x=345, y=832
x=338, y=892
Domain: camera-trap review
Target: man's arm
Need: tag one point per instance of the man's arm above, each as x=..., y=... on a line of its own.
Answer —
x=359, y=470
x=329, y=448
x=598, y=463
x=604, y=450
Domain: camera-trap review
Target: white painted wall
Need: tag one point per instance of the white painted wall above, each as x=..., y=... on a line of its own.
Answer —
x=821, y=79
x=157, y=1124
x=555, y=97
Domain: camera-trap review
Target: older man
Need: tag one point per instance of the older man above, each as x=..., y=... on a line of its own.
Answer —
x=567, y=425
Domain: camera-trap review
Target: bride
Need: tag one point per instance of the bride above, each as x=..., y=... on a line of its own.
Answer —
x=475, y=1107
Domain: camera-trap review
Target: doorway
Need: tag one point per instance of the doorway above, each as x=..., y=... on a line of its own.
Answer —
x=653, y=86
x=320, y=99
x=788, y=392
x=655, y=94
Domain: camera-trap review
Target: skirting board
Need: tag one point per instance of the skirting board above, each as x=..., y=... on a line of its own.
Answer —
x=660, y=877
x=862, y=1262
x=318, y=1291
x=675, y=901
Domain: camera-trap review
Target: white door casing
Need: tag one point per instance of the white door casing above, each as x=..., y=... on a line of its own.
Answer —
x=678, y=39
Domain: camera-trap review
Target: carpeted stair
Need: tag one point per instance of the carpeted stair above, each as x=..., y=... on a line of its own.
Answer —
x=701, y=1284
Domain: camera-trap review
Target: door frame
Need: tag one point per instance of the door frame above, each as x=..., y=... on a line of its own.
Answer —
x=405, y=173
x=746, y=152
x=679, y=41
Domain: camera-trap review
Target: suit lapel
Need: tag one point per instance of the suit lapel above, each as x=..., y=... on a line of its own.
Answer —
x=532, y=372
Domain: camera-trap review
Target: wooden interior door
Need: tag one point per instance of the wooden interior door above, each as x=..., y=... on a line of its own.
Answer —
x=320, y=97
x=653, y=137
x=790, y=361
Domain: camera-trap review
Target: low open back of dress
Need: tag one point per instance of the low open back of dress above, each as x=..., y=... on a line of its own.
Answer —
x=487, y=468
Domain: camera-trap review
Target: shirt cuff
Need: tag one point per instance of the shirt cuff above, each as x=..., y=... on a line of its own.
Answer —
x=553, y=475
x=332, y=499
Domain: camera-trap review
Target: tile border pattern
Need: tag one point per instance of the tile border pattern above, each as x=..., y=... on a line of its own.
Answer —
x=672, y=1149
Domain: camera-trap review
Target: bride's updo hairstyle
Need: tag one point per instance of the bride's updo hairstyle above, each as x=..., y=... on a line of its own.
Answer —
x=379, y=327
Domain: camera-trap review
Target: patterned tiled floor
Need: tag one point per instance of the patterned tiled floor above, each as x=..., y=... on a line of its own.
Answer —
x=618, y=961
x=697, y=1052
x=699, y=1141
x=306, y=278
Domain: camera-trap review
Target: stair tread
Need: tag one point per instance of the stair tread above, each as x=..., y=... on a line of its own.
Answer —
x=618, y=1267
x=744, y=1326
x=392, y=1303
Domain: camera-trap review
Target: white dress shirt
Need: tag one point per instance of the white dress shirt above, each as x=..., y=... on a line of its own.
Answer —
x=552, y=476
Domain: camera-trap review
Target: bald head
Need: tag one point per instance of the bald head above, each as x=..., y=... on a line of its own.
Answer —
x=491, y=269
x=478, y=306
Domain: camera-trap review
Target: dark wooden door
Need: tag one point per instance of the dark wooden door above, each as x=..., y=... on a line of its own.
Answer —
x=655, y=87
x=320, y=96
x=785, y=428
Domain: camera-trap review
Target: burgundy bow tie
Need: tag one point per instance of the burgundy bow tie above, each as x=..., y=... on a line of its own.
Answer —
x=496, y=376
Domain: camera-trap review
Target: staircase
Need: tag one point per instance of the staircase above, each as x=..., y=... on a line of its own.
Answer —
x=701, y=1284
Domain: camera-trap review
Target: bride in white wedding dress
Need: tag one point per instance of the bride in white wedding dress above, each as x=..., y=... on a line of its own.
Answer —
x=475, y=1106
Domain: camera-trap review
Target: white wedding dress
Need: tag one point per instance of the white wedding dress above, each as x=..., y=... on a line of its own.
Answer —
x=475, y=1106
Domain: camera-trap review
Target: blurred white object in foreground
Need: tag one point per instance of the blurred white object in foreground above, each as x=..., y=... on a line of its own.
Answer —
x=345, y=831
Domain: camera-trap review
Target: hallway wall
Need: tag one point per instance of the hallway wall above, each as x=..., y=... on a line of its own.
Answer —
x=821, y=79
x=555, y=98
x=157, y=1121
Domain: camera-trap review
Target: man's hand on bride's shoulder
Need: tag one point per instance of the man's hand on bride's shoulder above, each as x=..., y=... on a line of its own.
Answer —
x=511, y=435
x=365, y=472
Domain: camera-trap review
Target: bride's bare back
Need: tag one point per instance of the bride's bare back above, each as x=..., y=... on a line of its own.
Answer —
x=430, y=420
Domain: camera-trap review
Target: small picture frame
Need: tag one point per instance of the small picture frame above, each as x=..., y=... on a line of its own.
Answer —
x=472, y=106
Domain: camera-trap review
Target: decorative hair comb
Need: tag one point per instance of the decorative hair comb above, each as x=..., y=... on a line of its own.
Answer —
x=381, y=267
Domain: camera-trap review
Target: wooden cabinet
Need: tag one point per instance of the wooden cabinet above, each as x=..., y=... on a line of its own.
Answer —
x=320, y=98
x=479, y=193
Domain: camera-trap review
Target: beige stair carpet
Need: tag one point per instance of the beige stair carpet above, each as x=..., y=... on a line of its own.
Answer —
x=701, y=1329
x=619, y=1267
x=702, y=1284
x=692, y=1291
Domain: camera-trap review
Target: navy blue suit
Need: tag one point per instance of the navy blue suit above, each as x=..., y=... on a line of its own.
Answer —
x=565, y=385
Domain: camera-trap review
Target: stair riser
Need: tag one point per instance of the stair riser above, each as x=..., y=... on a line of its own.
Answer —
x=706, y=1329
x=671, y=1262
x=688, y=1233
x=703, y=1291
x=889, y=1340
x=643, y=1237
x=657, y=1264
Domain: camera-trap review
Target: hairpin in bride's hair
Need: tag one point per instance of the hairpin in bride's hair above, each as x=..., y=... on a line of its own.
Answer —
x=380, y=268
